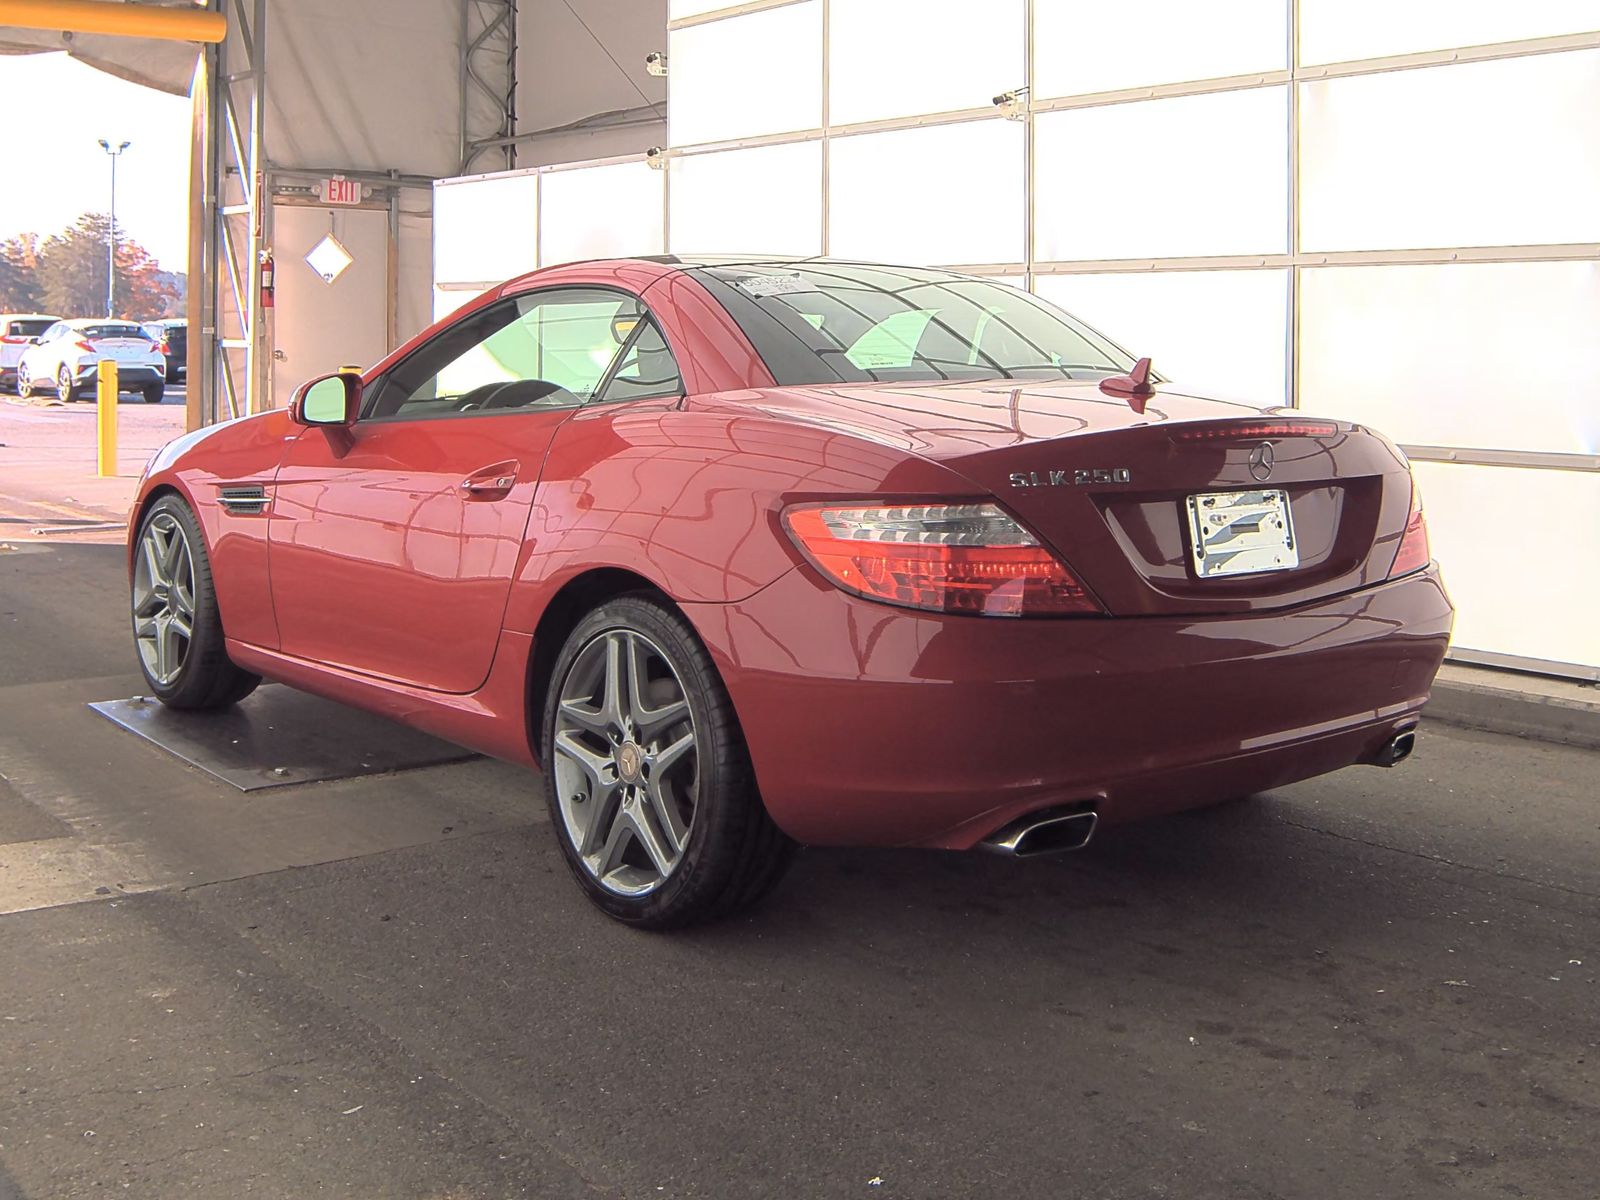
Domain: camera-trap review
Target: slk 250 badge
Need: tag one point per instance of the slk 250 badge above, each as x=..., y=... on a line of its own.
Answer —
x=1033, y=479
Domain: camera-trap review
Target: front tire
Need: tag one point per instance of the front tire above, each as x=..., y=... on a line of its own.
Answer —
x=647, y=776
x=176, y=627
x=24, y=385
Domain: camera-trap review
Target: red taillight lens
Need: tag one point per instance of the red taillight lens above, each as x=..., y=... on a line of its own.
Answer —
x=163, y=349
x=84, y=346
x=954, y=558
x=1254, y=429
x=1414, y=553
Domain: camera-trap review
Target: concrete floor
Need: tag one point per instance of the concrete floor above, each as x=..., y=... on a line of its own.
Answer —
x=1380, y=984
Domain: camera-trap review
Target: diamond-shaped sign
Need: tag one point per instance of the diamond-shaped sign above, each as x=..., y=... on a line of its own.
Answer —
x=329, y=258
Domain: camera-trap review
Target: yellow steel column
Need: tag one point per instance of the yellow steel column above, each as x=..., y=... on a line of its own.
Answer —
x=128, y=20
x=106, y=417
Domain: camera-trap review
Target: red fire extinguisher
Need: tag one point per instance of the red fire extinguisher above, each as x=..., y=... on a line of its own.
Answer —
x=266, y=279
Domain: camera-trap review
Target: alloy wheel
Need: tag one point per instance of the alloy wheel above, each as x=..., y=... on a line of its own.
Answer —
x=163, y=598
x=64, y=386
x=625, y=762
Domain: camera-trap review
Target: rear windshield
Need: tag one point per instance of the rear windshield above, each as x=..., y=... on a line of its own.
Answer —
x=847, y=322
x=113, y=331
x=28, y=328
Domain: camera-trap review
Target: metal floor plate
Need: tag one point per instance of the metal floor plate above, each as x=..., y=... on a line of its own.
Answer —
x=279, y=736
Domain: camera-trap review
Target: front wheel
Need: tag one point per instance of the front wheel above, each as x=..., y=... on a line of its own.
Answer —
x=176, y=626
x=647, y=776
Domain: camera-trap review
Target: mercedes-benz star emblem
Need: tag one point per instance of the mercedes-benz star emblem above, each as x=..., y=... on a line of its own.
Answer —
x=1261, y=462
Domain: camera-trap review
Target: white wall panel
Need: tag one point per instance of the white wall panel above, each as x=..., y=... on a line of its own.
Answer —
x=765, y=200
x=598, y=212
x=485, y=230
x=1490, y=153
x=678, y=9
x=1082, y=47
x=1494, y=355
x=1205, y=175
x=894, y=58
x=942, y=194
x=1516, y=550
x=1220, y=333
x=1342, y=30
x=745, y=76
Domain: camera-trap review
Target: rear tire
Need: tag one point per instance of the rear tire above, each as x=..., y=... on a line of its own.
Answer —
x=153, y=392
x=64, y=388
x=177, y=629
x=650, y=787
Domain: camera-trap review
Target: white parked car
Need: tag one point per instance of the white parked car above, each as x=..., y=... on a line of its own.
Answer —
x=67, y=357
x=18, y=331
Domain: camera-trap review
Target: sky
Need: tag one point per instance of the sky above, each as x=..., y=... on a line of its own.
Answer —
x=56, y=110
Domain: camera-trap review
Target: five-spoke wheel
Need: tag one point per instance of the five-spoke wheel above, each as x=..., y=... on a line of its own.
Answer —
x=163, y=597
x=176, y=625
x=647, y=775
x=626, y=762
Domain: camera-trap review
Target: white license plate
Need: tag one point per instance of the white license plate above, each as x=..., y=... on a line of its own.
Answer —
x=1241, y=533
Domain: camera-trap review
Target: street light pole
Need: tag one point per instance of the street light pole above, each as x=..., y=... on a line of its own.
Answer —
x=111, y=230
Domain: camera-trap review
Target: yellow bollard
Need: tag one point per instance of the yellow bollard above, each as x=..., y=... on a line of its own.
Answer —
x=106, y=417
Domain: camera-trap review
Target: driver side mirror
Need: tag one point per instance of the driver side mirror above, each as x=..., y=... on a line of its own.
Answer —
x=328, y=400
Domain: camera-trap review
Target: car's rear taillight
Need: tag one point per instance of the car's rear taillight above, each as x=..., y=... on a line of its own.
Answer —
x=1414, y=553
x=162, y=348
x=954, y=558
x=86, y=347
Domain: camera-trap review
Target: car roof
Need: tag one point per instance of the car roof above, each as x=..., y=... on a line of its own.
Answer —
x=28, y=317
x=85, y=322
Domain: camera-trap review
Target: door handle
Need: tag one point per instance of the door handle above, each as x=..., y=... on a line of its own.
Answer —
x=491, y=482
x=479, y=487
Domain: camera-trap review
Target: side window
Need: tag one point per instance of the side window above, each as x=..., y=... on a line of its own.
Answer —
x=542, y=350
x=647, y=370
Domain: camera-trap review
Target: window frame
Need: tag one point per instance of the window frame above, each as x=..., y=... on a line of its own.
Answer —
x=606, y=380
x=373, y=391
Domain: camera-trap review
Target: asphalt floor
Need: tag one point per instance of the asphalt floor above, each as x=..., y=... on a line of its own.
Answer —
x=1377, y=984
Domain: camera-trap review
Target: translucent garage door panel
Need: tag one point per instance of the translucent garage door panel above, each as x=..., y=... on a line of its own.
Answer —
x=1517, y=551
x=486, y=230
x=894, y=58
x=1211, y=177
x=1082, y=47
x=447, y=300
x=766, y=200
x=598, y=212
x=1220, y=333
x=1342, y=30
x=1500, y=356
x=1481, y=154
x=746, y=76
x=946, y=194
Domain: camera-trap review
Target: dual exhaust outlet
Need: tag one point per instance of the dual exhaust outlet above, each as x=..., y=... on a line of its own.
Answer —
x=1054, y=831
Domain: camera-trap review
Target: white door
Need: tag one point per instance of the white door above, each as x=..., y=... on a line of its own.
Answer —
x=320, y=325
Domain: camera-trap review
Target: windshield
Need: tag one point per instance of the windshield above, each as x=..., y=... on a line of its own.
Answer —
x=91, y=332
x=29, y=328
x=845, y=322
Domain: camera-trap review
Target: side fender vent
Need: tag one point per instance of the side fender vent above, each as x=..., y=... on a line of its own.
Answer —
x=243, y=500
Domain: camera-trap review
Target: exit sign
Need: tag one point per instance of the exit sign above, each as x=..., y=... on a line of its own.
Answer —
x=340, y=190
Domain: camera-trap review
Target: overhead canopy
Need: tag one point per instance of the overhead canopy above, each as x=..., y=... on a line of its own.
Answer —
x=159, y=63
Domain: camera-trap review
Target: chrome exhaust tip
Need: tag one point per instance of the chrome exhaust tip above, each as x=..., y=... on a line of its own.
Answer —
x=1043, y=833
x=1397, y=749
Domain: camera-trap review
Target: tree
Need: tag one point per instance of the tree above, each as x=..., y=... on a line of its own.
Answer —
x=71, y=274
x=19, y=278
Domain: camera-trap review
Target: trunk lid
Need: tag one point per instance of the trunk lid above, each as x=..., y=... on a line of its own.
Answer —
x=1108, y=488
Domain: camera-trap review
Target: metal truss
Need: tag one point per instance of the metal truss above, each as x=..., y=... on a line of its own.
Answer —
x=232, y=225
x=488, y=83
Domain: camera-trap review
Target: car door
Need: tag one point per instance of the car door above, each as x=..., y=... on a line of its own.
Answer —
x=392, y=542
x=39, y=360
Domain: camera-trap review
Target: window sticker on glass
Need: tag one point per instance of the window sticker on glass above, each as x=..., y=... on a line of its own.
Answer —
x=774, y=285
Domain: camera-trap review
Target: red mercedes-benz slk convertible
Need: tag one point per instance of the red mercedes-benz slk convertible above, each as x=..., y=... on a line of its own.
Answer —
x=759, y=553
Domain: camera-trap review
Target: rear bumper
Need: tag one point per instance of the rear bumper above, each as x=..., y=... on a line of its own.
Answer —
x=874, y=725
x=128, y=377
